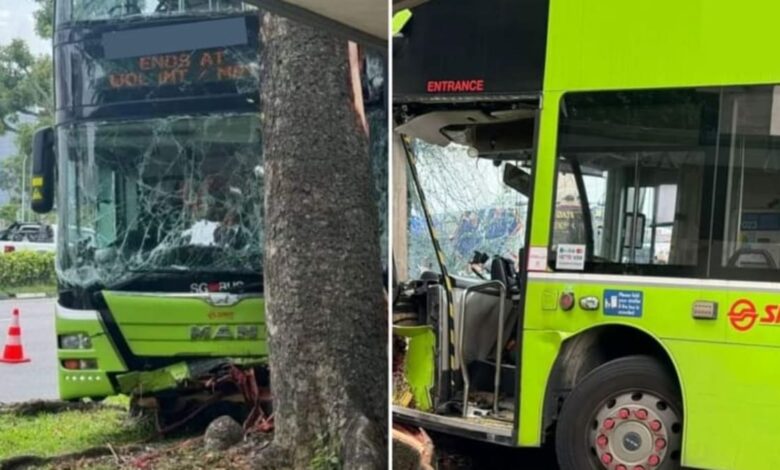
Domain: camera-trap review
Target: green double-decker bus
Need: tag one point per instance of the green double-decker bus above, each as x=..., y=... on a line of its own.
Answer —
x=156, y=163
x=627, y=311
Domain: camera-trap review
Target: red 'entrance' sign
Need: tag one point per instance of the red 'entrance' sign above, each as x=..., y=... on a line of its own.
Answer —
x=456, y=86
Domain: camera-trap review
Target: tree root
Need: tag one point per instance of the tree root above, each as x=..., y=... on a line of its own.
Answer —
x=364, y=446
x=273, y=457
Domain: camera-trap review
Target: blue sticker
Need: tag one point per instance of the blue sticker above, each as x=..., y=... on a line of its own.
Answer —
x=623, y=303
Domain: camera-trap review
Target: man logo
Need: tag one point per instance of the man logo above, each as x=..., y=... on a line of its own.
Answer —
x=224, y=332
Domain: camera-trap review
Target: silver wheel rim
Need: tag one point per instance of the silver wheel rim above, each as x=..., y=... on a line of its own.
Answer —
x=635, y=431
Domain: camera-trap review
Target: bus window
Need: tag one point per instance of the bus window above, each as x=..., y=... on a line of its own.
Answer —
x=90, y=10
x=749, y=170
x=634, y=181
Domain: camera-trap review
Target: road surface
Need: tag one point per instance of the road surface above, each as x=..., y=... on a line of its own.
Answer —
x=37, y=378
x=455, y=453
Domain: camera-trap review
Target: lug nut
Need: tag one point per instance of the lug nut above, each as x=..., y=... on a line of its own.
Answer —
x=602, y=440
x=655, y=425
x=606, y=459
x=654, y=460
x=609, y=423
x=621, y=467
x=639, y=467
x=660, y=443
x=624, y=413
x=641, y=413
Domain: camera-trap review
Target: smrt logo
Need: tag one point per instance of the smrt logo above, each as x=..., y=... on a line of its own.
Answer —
x=743, y=315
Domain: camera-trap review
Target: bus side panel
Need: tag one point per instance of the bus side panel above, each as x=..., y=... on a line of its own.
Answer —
x=732, y=411
x=540, y=349
x=665, y=314
x=544, y=172
x=615, y=44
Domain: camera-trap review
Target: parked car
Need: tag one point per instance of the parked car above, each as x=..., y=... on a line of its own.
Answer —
x=28, y=232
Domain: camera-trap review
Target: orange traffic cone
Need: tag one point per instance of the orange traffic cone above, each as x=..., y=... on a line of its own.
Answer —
x=14, y=352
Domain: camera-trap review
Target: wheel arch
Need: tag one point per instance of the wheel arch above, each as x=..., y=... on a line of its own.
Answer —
x=584, y=351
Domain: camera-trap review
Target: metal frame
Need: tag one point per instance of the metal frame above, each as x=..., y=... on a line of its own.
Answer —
x=492, y=431
x=462, y=324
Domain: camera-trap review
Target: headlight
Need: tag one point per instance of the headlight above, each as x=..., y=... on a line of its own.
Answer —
x=80, y=364
x=75, y=341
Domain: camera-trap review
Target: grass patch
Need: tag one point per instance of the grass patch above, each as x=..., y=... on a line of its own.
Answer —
x=48, y=434
x=31, y=289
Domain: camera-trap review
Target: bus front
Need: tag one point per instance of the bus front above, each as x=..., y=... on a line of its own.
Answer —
x=159, y=195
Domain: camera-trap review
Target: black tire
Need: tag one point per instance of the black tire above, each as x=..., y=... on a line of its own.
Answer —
x=633, y=375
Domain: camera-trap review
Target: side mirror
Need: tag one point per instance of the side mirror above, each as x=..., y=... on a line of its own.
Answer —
x=44, y=161
x=517, y=179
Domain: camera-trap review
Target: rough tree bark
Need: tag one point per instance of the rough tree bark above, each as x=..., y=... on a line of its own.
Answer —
x=323, y=285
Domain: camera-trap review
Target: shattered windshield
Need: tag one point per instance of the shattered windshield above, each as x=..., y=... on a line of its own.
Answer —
x=470, y=206
x=90, y=10
x=178, y=194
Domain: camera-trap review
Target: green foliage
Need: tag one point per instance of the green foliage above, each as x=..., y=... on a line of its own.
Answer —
x=25, y=85
x=44, y=18
x=25, y=267
x=25, y=90
x=8, y=211
x=326, y=456
x=11, y=169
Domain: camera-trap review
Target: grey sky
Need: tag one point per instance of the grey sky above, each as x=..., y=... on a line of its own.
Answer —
x=16, y=21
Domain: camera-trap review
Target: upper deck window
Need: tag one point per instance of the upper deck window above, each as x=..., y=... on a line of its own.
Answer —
x=74, y=11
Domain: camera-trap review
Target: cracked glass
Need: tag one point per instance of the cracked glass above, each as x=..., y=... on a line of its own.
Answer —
x=470, y=206
x=180, y=194
x=90, y=10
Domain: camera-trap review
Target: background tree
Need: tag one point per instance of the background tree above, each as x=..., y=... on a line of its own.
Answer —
x=26, y=104
x=323, y=278
x=44, y=18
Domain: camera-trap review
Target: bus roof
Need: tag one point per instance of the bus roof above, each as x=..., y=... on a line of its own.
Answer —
x=615, y=44
x=480, y=50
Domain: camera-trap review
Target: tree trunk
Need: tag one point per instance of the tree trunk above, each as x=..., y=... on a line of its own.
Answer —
x=323, y=283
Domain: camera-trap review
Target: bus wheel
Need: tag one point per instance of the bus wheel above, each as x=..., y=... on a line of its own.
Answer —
x=624, y=415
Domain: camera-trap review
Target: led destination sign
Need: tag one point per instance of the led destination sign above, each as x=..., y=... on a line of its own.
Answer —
x=181, y=68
